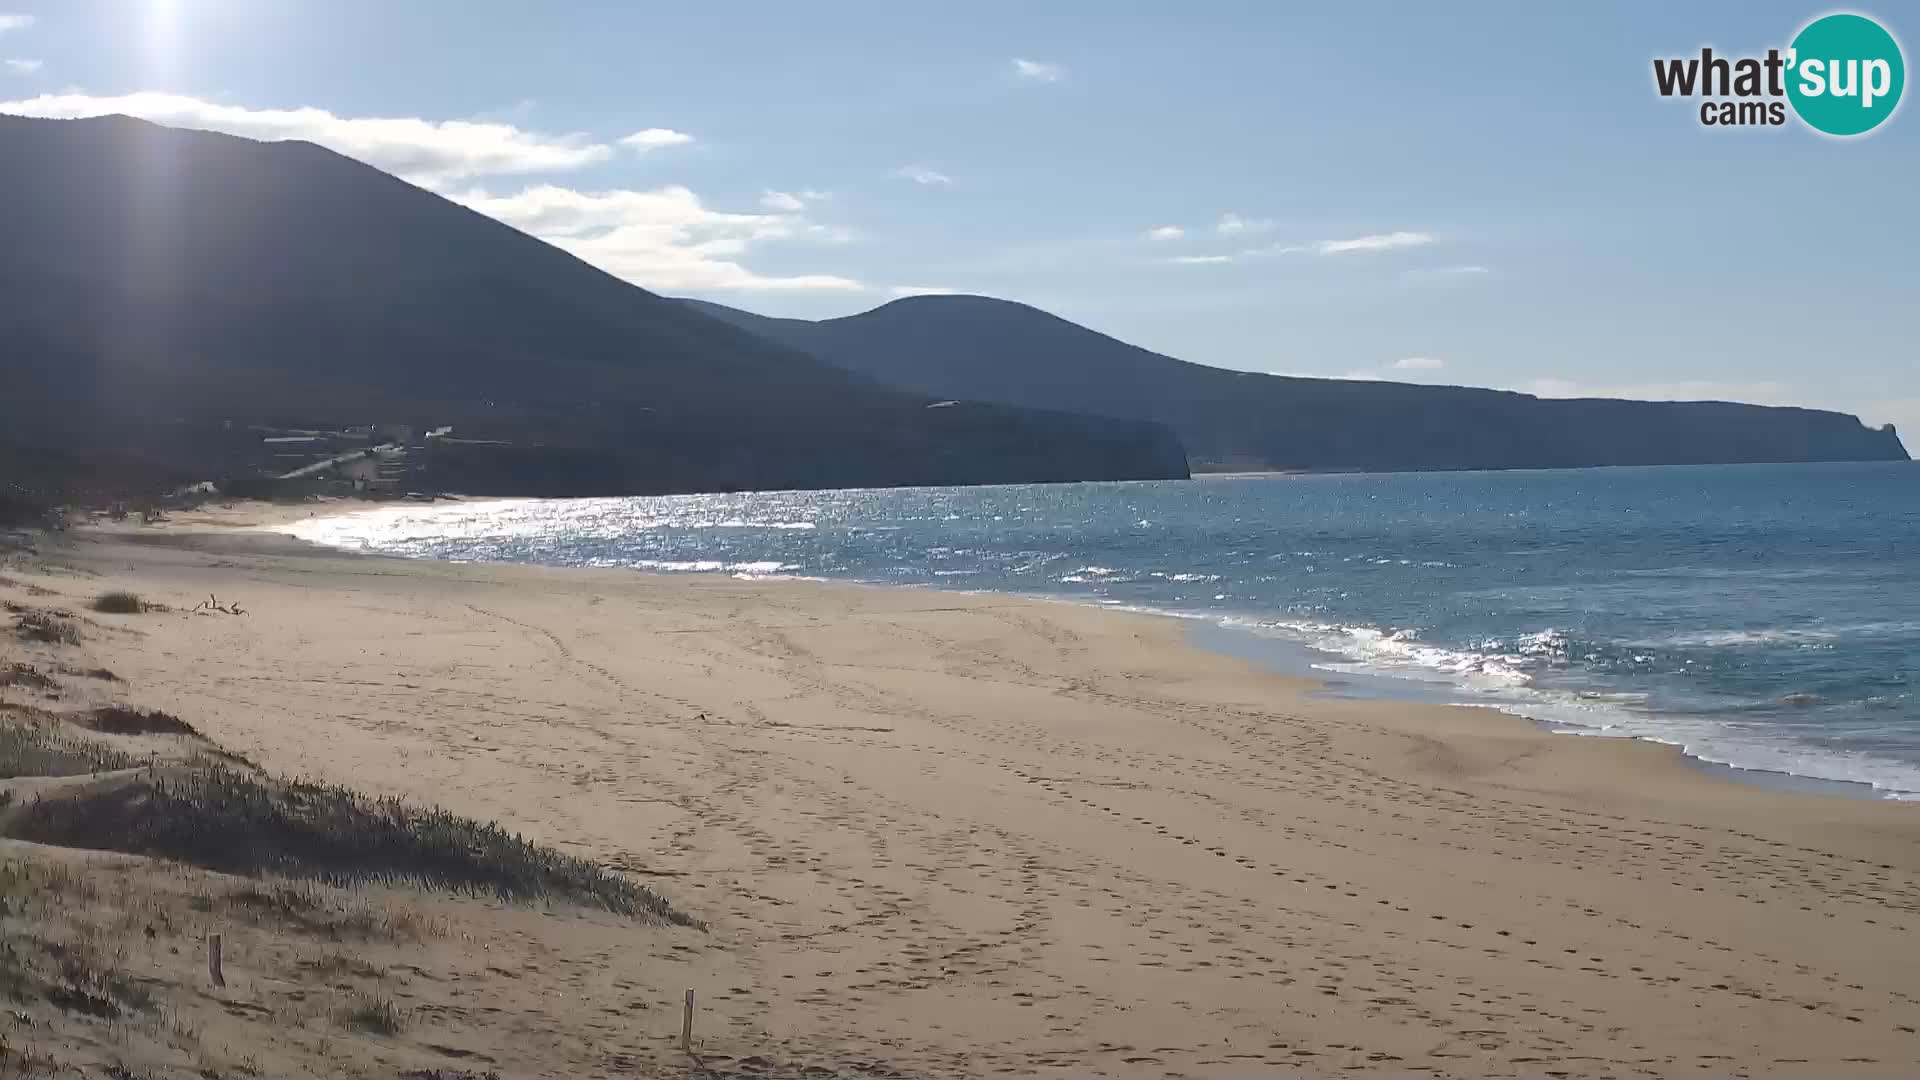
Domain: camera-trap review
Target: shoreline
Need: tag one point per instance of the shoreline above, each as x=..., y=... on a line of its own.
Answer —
x=966, y=833
x=267, y=519
x=1286, y=656
x=1378, y=687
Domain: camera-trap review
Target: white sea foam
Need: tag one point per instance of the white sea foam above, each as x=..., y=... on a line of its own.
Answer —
x=1499, y=679
x=1095, y=574
x=1397, y=652
x=710, y=566
x=1718, y=742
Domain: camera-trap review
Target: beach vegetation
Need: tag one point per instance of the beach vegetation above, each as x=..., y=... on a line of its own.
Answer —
x=14, y=673
x=127, y=720
x=44, y=627
x=376, y=1015
x=28, y=748
x=119, y=602
x=224, y=819
x=335, y=964
x=319, y=911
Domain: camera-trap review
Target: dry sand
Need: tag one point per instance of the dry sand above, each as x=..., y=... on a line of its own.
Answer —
x=965, y=835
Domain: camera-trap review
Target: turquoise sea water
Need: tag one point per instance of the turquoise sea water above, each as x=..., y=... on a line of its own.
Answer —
x=1766, y=617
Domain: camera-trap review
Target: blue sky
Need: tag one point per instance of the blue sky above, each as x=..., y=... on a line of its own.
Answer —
x=1490, y=194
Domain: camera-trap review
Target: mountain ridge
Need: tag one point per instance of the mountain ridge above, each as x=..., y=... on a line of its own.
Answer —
x=991, y=349
x=156, y=283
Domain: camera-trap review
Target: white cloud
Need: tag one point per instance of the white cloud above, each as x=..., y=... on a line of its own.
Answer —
x=1393, y=241
x=15, y=22
x=827, y=234
x=1265, y=251
x=920, y=174
x=655, y=138
x=660, y=239
x=425, y=151
x=664, y=239
x=1441, y=274
x=1039, y=71
x=924, y=290
x=1275, y=249
x=789, y=202
x=1166, y=232
x=1396, y=371
x=22, y=67
x=1235, y=225
x=1559, y=388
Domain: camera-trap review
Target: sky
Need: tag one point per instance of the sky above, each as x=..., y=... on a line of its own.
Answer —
x=1481, y=194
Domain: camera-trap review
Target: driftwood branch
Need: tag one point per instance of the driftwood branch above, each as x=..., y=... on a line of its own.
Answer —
x=212, y=604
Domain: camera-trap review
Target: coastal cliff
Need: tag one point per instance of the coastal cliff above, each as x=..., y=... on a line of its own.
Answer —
x=996, y=350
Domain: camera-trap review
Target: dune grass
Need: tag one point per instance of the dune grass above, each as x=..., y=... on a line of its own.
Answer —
x=376, y=1015
x=30, y=749
x=222, y=819
x=18, y=674
x=81, y=969
x=45, y=627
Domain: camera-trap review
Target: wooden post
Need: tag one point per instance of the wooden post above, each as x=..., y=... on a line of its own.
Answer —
x=213, y=960
x=686, y=1026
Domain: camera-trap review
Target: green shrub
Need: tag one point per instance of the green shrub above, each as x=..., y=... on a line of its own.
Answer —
x=120, y=603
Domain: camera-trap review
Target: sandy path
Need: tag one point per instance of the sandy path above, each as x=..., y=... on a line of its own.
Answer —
x=969, y=834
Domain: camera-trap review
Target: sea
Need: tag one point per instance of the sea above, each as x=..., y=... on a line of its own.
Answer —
x=1764, y=618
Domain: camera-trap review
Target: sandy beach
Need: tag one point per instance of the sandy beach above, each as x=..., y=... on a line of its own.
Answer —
x=950, y=834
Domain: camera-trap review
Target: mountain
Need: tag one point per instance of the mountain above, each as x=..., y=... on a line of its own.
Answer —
x=161, y=288
x=995, y=350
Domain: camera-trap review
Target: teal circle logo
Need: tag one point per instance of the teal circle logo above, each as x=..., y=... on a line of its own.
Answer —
x=1845, y=74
